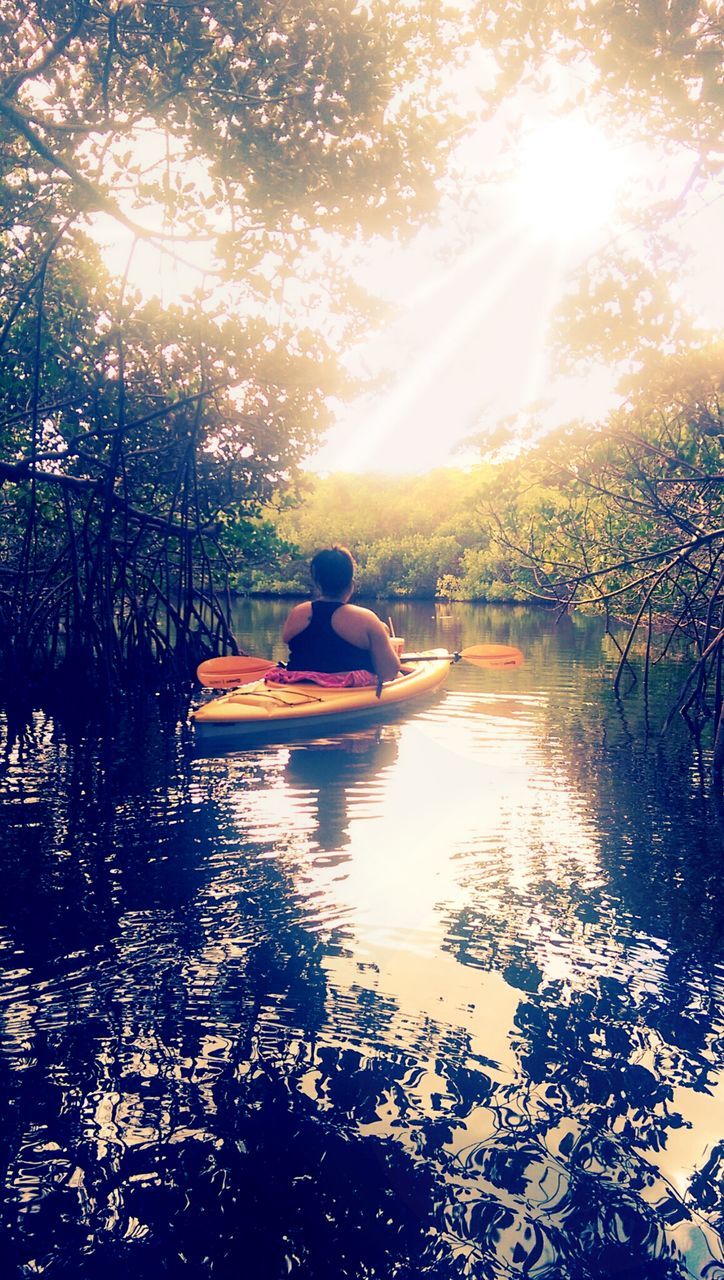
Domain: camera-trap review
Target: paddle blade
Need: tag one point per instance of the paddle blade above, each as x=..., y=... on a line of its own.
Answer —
x=229, y=673
x=492, y=655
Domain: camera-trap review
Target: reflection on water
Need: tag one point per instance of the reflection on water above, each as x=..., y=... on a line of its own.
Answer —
x=323, y=775
x=442, y=998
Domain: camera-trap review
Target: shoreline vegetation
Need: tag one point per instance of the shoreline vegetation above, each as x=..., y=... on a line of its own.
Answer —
x=152, y=444
x=624, y=519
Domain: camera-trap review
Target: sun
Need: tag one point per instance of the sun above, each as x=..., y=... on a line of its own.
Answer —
x=568, y=179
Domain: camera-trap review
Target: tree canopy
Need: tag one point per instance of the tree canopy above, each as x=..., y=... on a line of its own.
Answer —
x=655, y=65
x=258, y=138
x=650, y=72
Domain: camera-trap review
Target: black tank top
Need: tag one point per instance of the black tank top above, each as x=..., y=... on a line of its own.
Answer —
x=319, y=648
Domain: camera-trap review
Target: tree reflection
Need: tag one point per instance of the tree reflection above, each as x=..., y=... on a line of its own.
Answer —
x=189, y=1094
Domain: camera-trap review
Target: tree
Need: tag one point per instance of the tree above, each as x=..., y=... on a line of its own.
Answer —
x=135, y=439
x=405, y=532
x=649, y=72
x=631, y=522
x=655, y=64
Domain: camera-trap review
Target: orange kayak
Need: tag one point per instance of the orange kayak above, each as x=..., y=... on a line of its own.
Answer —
x=266, y=709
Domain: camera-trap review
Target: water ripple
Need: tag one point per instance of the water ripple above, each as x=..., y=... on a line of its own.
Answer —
x=439, y=998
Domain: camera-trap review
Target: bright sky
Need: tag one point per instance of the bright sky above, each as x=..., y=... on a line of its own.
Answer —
x=467, y=346
x=466, y=350
x=473, y=296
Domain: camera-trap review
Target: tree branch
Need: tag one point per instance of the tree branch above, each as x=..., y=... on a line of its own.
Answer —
x=95, y=197
x=55, y=50
x=16, y=473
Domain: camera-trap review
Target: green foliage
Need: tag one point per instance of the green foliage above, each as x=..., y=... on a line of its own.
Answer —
x=654, y=64
x=139, y=442
x=487, y=573
x=649, y=74
x=644, y=484
x=629, y=519
x=407, y=566
x=414, y=536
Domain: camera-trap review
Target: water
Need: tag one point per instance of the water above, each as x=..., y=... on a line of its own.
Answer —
x=442, y=998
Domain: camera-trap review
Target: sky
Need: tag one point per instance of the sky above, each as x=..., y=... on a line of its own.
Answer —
x=467, y=345
x=471, y=297
x=465, y=351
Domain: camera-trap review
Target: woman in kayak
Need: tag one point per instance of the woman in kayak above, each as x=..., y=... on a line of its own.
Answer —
x=330, y=634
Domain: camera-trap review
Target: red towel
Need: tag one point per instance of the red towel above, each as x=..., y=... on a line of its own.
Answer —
x=328, y=679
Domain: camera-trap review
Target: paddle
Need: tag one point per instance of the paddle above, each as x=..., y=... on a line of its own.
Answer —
x=229, y=673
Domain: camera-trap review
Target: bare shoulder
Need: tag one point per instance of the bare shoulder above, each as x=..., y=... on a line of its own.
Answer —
x=365, y=616
x=297, y=619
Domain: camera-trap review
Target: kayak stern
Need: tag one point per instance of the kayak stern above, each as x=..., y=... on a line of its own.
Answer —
x=259, y=708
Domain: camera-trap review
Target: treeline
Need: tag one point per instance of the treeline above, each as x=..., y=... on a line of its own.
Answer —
x=538, y=518
x=412, y=536
x=626, y=518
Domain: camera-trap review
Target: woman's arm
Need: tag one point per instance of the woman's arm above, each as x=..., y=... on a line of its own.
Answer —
x=386, y=661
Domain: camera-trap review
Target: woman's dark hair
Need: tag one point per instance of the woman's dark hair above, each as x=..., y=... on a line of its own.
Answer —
x=333, y=570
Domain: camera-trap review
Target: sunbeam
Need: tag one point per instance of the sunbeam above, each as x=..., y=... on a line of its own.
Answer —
x=442, y=347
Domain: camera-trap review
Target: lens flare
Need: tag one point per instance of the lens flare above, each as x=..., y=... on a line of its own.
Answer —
x=568, y=179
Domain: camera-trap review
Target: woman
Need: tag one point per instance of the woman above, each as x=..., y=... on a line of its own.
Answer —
x=330, y=634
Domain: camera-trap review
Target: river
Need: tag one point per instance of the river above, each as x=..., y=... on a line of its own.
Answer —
x=440, y=998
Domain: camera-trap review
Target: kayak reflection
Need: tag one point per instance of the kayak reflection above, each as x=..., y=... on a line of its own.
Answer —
x=327, y=771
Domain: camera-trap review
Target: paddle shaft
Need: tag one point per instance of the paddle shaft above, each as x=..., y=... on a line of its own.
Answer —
x=227, y=673
x=510, y=659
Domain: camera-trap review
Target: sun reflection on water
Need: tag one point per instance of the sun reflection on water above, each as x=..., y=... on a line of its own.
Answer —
x=464, y=804
x=443, y=964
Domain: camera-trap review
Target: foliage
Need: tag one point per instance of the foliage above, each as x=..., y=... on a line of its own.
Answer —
x=629, y=519
x=621, y=307
x=655, y=63
x=650, y=73
x=486, y=573
x=138, y=441
x=408, y=566
x=410, y=536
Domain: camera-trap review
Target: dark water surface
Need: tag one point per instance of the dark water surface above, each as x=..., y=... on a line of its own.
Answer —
x=442, y=998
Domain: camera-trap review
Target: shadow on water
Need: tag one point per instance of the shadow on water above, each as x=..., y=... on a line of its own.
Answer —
x=216, y=1062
